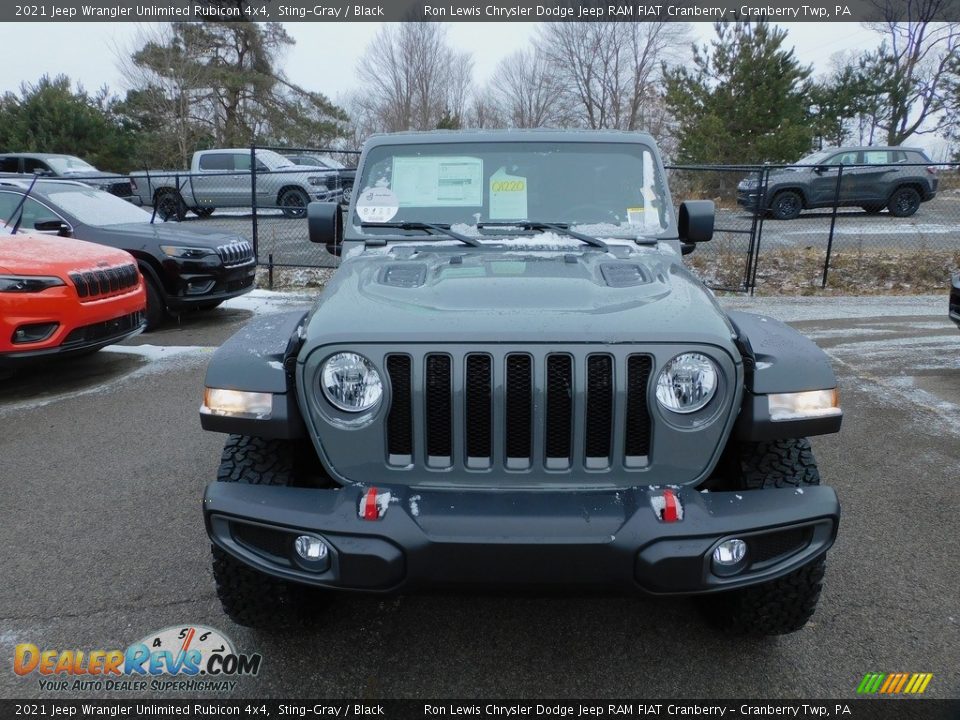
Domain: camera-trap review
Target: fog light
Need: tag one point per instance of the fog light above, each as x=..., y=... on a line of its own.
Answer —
x=33, y=333
x=729, y=556
x=312, y=552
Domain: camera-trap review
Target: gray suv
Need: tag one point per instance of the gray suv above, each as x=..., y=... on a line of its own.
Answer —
x=874, y=178
x=513, y=380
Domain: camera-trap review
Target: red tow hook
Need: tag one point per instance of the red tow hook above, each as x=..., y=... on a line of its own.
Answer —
x=368, y=505
x=670, y=504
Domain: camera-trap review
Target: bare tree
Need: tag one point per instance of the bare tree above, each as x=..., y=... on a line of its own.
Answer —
x=611, y=71
x=915, y=60
x=526, y=91
x=412, y=78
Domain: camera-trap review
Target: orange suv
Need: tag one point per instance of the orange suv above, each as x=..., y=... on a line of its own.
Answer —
x=60, y=296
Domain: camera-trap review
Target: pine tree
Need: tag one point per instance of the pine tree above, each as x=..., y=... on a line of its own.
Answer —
x=745, y=99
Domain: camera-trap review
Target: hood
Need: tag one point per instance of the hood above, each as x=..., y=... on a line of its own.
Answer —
x=460, y=294
x=142, y=234
x=46, y=255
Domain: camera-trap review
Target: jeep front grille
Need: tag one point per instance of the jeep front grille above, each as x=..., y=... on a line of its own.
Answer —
x=534, y=421
x=236, y=253
x=99, y=283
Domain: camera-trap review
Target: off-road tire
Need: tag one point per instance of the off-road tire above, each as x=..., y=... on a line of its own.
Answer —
x=293, y=202
x=249, y=597
x=777, y=607
x=347, y=194
x=783, y=605
x=169, y=205
x=156, y=309
x=786, y=205
x=904, y=202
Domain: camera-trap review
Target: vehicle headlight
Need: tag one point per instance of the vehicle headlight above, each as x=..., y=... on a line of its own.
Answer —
x=186, y=253
x=317, y=181
x=748, y=184
x=687, y=383
x=28, y=283
x=350, y=382
x=219, y=401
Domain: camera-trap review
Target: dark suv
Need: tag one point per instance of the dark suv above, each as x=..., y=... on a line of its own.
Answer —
x=70, y=167
x=185, y=267
x=874, y=178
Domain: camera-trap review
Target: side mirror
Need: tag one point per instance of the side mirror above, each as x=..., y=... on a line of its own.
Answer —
x=695, y=222
x=325, y=225
x=58, y=226
x=820, y=169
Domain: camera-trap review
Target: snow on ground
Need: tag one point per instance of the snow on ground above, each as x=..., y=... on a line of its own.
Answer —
x=267, y=301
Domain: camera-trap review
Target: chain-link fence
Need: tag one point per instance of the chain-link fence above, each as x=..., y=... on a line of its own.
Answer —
x=857, y=227
x=853, y=224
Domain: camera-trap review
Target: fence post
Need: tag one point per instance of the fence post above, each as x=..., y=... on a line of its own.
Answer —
x=833, y=223
x=758, y=230
x=270, y=271
x=253, y=203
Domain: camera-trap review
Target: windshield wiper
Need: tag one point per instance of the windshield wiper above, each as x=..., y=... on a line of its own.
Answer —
x=435, y=227
x=561, y=228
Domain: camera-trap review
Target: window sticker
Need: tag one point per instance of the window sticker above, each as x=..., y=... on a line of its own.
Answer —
x=635, y=215
x=377, y=205
x=438, y=181
x=508, y=196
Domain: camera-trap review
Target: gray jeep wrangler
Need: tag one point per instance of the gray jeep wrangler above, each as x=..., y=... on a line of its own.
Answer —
x=512, y=380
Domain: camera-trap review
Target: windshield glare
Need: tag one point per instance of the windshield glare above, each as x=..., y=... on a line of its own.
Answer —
x=97, y=208
x=65, y=164
x=273, y=160
x=617, y=186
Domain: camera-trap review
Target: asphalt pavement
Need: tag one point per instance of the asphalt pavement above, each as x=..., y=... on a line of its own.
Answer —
x=104, y=463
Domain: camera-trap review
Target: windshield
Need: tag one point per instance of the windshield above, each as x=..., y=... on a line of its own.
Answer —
x=97, y=208
x=66, y=164
x=815, y=158
x=273, y=160
x=616, y=186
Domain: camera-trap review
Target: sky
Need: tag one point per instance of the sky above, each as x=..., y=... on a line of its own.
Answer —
x=325, y=55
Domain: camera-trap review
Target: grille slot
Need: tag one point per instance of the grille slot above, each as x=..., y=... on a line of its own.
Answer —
x=637, y=429
x=518, y=410
x=400, y=419
x=776, y=544
x=558, y=423
x=599, y=421
x=235, y=253
x=439, y=411
x=478, y=409
x=94, y=284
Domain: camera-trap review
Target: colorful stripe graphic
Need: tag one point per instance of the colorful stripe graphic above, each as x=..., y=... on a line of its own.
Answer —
x=894, y=683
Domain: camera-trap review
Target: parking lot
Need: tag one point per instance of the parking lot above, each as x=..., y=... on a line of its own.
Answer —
x=104, y=463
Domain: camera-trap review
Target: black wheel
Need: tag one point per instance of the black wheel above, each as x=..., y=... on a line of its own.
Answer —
x=293, y=202
x=249, y=597
x=904, y=202
x=210, y=305
x=170, y=205
x=347, y=195
x=872, y=208
x=203, y=212
x=783, y=605
x=786, y=205
x=156, y=308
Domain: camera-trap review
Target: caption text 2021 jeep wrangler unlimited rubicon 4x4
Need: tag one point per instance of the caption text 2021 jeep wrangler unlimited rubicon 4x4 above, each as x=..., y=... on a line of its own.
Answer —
x=513, y=380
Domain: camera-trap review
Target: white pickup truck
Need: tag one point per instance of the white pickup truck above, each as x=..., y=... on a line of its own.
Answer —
x=222, y=179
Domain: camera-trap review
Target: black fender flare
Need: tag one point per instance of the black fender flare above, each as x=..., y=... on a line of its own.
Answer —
x=260, y=358
x=779, y=359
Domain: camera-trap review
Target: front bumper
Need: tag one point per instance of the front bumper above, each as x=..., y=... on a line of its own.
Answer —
x=450, y=538
x=197, y=284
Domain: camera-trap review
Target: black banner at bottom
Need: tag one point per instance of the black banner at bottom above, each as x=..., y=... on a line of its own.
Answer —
x=873, y=709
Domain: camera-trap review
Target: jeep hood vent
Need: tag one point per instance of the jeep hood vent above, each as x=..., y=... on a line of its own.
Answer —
x=405, y=275
x=620, y=275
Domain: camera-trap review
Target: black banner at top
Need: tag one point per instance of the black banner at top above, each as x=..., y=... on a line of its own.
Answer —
x=475, y=10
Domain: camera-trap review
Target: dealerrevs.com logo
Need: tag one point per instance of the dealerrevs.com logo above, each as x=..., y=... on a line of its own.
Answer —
x=185, y=658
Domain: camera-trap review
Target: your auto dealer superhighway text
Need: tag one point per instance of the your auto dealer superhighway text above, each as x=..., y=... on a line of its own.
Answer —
x=635, y=11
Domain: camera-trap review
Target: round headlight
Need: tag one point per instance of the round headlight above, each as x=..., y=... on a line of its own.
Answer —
x=350, y=382
x=687, y=383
